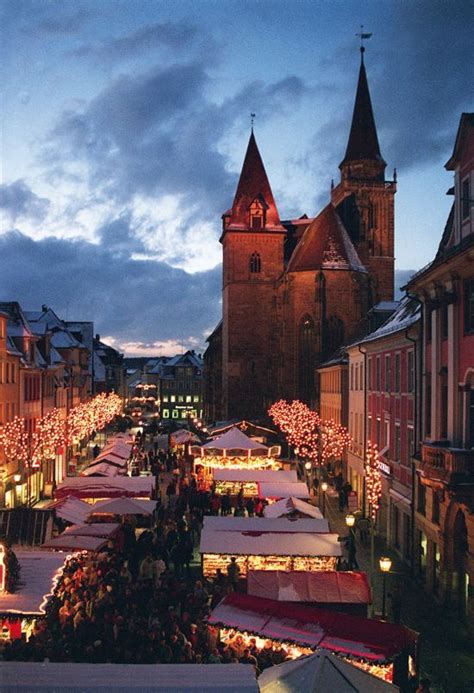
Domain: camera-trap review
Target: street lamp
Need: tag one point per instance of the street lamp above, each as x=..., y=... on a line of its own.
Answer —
x=350, y=520
x=385, y=564
x=324, y=488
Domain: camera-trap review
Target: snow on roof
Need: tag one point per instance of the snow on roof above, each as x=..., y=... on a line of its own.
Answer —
x=95, y=529
x=105, y=487
x=71, y=509
x=255, y=543
x=62, y=339
x=103, y=468
x=75, y=542
x=321, y=672
x=257, y=475
x=324, y=587
x=37, y=581
x=140, y=678
x=285, y=506
x=406, y=315
x=124, y=506
x=234, y=440
x=283, y=490
x=226, y=523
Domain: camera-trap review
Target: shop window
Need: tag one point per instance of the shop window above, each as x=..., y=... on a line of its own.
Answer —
x=175, y=414
x=165, y=413
x=255, y=263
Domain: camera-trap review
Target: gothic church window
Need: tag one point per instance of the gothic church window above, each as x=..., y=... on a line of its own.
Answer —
x=307, y=353
x=255, y=263
x=257, y=215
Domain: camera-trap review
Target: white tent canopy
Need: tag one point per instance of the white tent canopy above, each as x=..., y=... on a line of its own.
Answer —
x=103, y=468
x=87, y=537
x=124, y=506
x=139, y=678
x=269, y=543
x=228, y=523
x=71, y=509
x=285, y=490
x=234, y=441
x=257, y=475
x=285, y=506
x=106, y=487
x=320, y=672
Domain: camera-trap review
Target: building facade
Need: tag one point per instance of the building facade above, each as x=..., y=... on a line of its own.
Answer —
x=294, y=291
x=445, y=471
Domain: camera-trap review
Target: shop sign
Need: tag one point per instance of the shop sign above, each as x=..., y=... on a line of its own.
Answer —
x=384, y=468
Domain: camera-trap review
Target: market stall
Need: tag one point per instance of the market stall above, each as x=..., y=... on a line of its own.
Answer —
x=70, y=510
x=248, y=480
x=122, y=506
x=229, y=523
x=94, y=489
x=103, y=468
x=90, y=537
x=169, y=678
x=383, y=649
x=347, y=591
x=292, y=507
x=235, y=450
x=39, y=572
x=258, y=550
x=276, y=491
x=320, y=672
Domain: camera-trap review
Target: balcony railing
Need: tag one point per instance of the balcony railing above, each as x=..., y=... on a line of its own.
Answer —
x=448, y=465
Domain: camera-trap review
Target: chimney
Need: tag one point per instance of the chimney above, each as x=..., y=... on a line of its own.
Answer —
x=97, y=337
x=44, y=307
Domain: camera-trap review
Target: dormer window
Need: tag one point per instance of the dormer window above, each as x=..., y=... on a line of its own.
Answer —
x=255, y=263
x=257, y=215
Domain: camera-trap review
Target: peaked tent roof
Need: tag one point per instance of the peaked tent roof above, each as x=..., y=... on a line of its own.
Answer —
x=323, y=586
x=124, y=506
x=253, y=184
x=285, y=506
x=363, y=142
x=325, y=245
x=234, y=440
x=320, y=672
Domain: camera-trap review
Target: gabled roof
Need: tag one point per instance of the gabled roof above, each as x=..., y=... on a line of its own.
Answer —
x=253, y=184
x=325, y=245
x=466, y=126
x=406, y=315
x=363, y=142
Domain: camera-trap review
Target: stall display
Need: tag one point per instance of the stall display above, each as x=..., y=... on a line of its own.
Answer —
x=258, y=550
x=235, y=450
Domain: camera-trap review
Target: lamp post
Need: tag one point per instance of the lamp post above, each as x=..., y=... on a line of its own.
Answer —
x=351, y=548
x=385, y=564
x=324, y=488
x=16, y=479
x=308, y=466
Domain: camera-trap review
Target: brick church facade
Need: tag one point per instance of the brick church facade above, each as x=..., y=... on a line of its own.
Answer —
x=295, y=290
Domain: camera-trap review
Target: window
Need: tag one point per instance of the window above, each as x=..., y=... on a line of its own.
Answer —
x=410, y=442
x=175, y=414
x=255, y=263
x=173, y=398
x=469, y=306
x=378, y=433
x=188, y=398
x=421, y=497
x=165, y=413
x=165, y=398
x=180, y=398
x=397, y=443
x=411, y=371
x=352, y=376
x=386, y=440
x=397, y=372
x=378, y=370
x=356, y=377
x=465, y=199
x=369, y=373
x=435, y=507
x=388, y=372
x=257, y=215
x=196, y=398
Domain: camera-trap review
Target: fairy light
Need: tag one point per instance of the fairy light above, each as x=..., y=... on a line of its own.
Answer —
x=373, y=479
x=299, y=424
x=335, y=439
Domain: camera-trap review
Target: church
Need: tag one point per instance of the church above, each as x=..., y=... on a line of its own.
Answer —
x=294, y=291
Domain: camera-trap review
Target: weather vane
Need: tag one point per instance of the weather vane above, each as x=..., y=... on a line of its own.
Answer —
x=252, y=119
x=363, y=37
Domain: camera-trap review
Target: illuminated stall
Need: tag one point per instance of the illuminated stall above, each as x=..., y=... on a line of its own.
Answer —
x=385, y=650
x=249, y=480
x=39, y=573
x=259, y=550
x=235, y=450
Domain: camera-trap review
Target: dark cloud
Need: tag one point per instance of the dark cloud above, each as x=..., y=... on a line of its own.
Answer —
x=18, y=200
x=158, y=134
x=171, y=35
x=146, y=301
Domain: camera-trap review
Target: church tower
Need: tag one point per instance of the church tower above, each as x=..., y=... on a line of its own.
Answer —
x=364, y=199
x=253, y=241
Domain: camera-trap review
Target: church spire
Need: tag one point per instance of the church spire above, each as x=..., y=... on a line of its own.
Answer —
x=254, y=205
x=363, y=144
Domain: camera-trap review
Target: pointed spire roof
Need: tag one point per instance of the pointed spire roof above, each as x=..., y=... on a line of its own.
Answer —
x=325, y=245
x=363, y=144
x=253, y=185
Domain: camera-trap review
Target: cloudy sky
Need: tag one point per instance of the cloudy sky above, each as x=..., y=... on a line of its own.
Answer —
x=125, y=124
